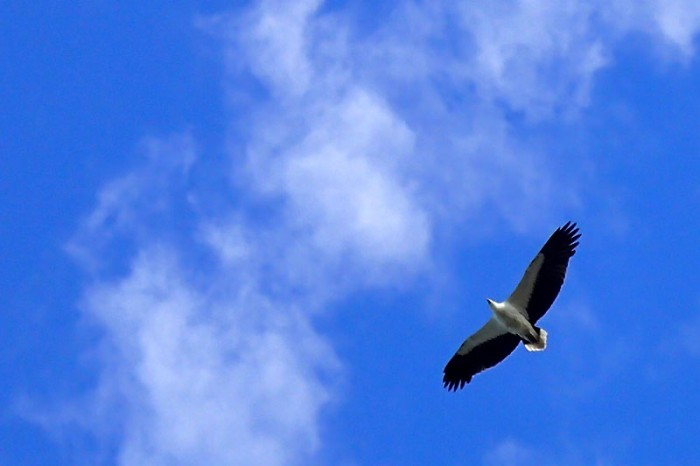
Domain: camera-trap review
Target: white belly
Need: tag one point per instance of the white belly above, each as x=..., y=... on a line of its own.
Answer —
x=514, y=321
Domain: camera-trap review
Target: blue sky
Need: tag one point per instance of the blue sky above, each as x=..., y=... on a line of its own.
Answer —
x=253, y=233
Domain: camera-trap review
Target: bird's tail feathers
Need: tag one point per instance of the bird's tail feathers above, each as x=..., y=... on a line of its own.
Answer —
x=540, y=344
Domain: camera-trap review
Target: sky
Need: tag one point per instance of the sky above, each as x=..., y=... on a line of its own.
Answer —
x=253, y=233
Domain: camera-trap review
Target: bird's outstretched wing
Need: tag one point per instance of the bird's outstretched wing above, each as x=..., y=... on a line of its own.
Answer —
x=490, y=345
x=544, y=276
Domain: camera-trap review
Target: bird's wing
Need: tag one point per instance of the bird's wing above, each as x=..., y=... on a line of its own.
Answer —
x=490, y=345
x=544, y=276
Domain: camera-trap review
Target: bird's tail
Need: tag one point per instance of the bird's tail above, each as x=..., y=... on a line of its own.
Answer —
x=541, y=342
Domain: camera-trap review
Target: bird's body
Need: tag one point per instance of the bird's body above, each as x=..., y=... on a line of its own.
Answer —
x=514, y=319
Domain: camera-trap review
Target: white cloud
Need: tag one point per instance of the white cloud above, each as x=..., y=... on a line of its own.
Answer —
x=200, y=362
x=342, y=182
x=277, y=43
x=514, y=452
x=510, y=452
x=433, y=163
x=133, y=205
x=672, y=25
x=678, y=21
x=216, y=376
x=537, y=57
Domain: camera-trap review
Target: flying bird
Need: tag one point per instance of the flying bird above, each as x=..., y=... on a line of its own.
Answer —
x=514, y=319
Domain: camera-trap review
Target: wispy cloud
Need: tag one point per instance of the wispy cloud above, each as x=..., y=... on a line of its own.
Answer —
x=510, y=452
x=215, y=374
x=429, y=128
x=672, y=25
x=200, y=362
x=678, y=21
x=132, y=208
x=514, y=452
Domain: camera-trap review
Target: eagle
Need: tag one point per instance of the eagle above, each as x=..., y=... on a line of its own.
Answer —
x=514, y=319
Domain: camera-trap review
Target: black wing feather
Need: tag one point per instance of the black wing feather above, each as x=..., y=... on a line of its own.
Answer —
x=557, y=251
x=462, y=367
